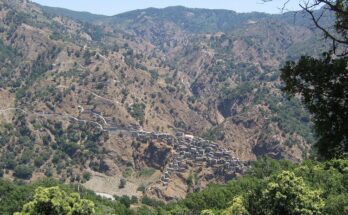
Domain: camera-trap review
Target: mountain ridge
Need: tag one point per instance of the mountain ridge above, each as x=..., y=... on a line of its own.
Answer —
x=78, y=15
x=162, y=12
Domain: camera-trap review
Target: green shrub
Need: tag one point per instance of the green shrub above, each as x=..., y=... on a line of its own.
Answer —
x=127, y=172
x=87, y=176
x=151, y=202
x=137, y=111
x=39, y=161
x=125, y=200
x=23, y=172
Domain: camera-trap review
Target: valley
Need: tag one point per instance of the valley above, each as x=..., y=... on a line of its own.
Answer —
x=183, y=152
x=152, y=102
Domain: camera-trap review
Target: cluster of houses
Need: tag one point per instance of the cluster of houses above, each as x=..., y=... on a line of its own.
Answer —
x=192, y=150
x=188, y=150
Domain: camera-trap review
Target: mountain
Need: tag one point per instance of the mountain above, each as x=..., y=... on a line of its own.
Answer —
x=158, y=102
x=79, y=16
x=190, y=20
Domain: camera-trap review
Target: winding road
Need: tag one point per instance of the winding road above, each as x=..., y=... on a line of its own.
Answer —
x=58, y=115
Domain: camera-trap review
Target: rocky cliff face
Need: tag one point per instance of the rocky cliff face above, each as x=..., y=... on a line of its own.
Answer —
x=152, y=154
x=73, y=93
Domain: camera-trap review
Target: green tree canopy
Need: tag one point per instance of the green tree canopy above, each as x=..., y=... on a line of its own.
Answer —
x=207, y=212
x=237, y=207
x=323, y=86
x=54, y=201
x=323, y=83
x=287, y=194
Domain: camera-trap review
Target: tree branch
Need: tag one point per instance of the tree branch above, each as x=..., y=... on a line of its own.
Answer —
x=316, y=23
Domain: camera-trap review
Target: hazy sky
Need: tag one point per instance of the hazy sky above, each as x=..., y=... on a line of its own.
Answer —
x=112, y=7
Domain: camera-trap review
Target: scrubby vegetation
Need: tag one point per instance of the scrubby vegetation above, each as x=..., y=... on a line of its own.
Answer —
x=61, y=146
x=138, y=111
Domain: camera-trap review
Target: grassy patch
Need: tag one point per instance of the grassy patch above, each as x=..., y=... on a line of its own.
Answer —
x=147, y=172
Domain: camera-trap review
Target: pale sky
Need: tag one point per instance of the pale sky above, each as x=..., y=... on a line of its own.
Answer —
x=113, y=7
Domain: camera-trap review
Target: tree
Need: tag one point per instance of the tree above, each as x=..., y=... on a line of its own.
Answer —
x=266, y=166
x=125, y=200
x=323, y=86
x=322, y=83
x=12, y=197
x=134, y=200
x=23, y=172
x=287, y=194
x=87, y=176
x=54, y=201
x=237, y=207
x=338, y=33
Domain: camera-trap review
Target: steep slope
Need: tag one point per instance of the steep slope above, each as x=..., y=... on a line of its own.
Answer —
x=232, y=70
x=151, y=102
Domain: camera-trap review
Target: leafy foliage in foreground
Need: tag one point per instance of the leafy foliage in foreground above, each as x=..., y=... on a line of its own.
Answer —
x=53, y=200
x=284, y=188
x=270, y=188
x=15, y=197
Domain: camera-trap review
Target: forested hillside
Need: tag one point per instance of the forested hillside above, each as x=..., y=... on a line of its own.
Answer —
x=154, y=102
